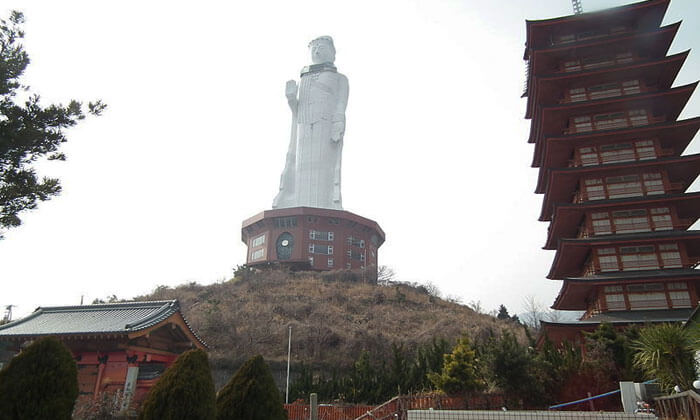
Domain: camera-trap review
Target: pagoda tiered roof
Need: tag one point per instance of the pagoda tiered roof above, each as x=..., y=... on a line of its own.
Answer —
x=567, y=217
x=563, y=183
x=575, y=290
x=674, y=137
x=660, y=73
x=572, y=253
x=553, y=120
x=643, y=15
x=650, y=45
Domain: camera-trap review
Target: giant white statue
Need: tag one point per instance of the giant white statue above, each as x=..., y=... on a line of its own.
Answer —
x=311, y=175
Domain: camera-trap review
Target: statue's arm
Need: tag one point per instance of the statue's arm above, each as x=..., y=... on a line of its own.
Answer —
x=291, y=90
x=341, y=104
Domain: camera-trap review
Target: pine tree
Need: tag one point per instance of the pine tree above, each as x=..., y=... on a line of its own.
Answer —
x=28, y=131
x=461, y=370
x=39, y=383
x=251, y=394
x=185, y=391
x=503, y=313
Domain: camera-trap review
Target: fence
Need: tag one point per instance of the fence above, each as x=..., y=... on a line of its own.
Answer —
x=524, y=415
x=397, y=407
x=326, y=412
x=681, y=406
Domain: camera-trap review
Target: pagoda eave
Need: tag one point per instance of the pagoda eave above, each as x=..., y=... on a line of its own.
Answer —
x=562, y=183
x=575, y=291
x=668, y=104
x=672, y=136
x=654, y=44
x=647, y=14
x=660, y=73
x=567, y=217
x=571, y=254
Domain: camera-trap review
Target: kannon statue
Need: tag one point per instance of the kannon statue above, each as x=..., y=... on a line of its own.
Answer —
x=311, y=175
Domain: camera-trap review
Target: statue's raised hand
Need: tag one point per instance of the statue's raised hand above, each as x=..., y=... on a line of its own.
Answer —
x=290, y=90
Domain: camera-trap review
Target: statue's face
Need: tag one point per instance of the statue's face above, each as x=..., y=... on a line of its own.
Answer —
x=322, y=52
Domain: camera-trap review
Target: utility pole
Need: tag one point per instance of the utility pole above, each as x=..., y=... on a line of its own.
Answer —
x=289, y=357
x=578, y=8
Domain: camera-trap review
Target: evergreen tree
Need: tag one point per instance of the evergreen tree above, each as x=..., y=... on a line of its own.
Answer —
x=513, y=369
x=251, y=394
x=617, y=345
x=461, y=370
x=184, y=392
x=28, y=131
x=503, y=313
x=39, y=383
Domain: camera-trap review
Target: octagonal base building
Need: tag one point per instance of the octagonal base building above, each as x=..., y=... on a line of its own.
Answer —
x=307, y=238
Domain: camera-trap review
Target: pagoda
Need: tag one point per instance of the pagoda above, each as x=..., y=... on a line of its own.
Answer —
x=608, y=145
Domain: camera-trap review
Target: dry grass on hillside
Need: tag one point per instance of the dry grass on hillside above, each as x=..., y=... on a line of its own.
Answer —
x=332, y=320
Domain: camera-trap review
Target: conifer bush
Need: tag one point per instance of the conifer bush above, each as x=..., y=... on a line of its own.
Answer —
x=39, y=383
x=251, y=394
x=185, y=391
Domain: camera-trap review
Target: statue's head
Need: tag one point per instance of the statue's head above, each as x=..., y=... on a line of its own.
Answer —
x=322, y=50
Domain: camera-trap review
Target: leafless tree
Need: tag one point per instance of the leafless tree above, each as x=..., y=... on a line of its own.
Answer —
x=532, y=312
x=385, y=274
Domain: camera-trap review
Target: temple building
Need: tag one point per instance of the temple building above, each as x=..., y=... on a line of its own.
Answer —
x=118, y=347
x=609, y=149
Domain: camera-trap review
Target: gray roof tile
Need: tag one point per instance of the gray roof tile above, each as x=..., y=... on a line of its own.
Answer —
x=115, y=318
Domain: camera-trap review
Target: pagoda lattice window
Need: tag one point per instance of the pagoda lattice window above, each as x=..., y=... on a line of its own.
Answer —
x=646, y=296
x=615, y=153
x=606, y=90
x=596, y=62
x=588, y=35
x=623, y=186
x=643, y=257
x=631, y=221
x=609, y=121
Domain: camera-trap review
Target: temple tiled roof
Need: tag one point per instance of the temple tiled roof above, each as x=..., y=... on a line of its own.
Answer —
x=111, y=318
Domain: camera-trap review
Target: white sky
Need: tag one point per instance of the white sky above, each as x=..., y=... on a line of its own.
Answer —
x=194, y=140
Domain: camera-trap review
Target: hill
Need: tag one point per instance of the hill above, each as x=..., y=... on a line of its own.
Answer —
x=334, y=317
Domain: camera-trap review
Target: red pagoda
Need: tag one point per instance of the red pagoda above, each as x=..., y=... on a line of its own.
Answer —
x=608, y=145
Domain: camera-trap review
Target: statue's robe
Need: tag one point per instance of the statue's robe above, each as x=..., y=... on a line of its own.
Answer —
x=312, y=175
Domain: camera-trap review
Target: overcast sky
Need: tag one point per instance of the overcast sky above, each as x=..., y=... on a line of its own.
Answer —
x=195, y=136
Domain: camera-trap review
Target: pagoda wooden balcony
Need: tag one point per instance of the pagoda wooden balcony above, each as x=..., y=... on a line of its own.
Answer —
x=595, y=268
x=609, y=93
x=650, y=304
x=630, y=155
x=615, y=125
x=623, y=228
x=638, y=191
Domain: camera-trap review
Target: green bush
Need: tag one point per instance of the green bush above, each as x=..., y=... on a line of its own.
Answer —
x=251, y=394
x=185, y=391
x=39, y=383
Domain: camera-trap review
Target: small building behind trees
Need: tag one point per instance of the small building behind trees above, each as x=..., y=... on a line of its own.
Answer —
x=118, y=347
